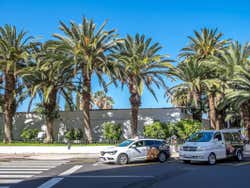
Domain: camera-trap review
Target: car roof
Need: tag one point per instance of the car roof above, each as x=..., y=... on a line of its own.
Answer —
x=138, y=139
x=222, y=130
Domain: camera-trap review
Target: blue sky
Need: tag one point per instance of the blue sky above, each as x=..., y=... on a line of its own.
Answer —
x=166, y=21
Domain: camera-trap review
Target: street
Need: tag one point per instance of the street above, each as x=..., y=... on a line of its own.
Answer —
x=84, y=173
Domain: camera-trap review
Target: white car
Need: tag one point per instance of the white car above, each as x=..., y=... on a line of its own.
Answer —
x=210, y=145
x=136, y=150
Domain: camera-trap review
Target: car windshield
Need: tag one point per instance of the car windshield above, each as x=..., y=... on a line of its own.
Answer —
x=201, y=137
x=125, y=143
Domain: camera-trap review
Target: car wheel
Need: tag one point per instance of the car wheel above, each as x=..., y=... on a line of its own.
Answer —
x=162, y=157
x=122, y=159
x=212, y=159
x=239, y=155
x=186, y=161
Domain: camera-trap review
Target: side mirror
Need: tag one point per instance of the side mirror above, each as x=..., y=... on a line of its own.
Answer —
x=133, y=146
x=216, y=140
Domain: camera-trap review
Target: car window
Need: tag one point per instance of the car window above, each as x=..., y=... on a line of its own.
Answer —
x=218, y=136
x=149, y=142
x=140, y=144
x=159, y=143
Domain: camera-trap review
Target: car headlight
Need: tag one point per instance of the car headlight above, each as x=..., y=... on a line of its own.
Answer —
x=112, y=152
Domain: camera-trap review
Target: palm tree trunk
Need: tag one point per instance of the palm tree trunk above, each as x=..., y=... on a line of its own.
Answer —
x=135, y=102
x=245, y=116
x=50, y=108
x=86, y=98
x=220, y=113
x=9, y=106
x=197, y=114
x=212, y=111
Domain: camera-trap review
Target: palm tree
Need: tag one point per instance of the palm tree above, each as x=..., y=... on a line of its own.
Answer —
x=49, y=77
x=88, y=47
x=234, y=65
x=102, y=101
x=206, y=44
x=140, y=65
x=14, y=51
x=192, y=73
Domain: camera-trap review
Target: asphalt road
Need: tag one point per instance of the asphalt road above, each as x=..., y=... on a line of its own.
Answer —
x=174, y=174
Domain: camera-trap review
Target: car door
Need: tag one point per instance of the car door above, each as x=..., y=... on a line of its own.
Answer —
x=139, y=151
x=219, y=146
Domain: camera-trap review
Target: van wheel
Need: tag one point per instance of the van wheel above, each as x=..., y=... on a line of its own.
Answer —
x=122, y=159
x=239, y=155
x=162, y=157
x=186, y=161
x=212, y=159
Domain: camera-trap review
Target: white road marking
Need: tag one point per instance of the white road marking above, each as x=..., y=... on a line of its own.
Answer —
x=23, y=169
x=15, y=176
x=50, y=183
x=19, y=172
x=16, y=171
x=71, y=170
x=4, y=186
x=23, y=166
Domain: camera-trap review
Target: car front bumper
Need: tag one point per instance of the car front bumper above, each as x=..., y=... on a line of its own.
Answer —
x=194, y=155
x=107, y=158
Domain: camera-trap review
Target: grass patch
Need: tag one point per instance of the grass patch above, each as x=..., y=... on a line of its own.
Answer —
x=52, y=144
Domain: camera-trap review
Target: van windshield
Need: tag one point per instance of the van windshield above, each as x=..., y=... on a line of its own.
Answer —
x=201, y=137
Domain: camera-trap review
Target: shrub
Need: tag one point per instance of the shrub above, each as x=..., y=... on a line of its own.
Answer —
x=112, y=131
x=70, y=134
x=158, y=130
x=78, y=134
x=29, y=134
x=74, y=134
x=185, y=128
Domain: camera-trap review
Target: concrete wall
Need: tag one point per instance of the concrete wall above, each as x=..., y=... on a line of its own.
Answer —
x=98, y=117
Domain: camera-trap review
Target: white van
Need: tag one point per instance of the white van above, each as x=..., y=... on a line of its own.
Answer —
x=210, y=145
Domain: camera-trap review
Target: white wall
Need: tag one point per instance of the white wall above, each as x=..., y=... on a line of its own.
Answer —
x=74, y=119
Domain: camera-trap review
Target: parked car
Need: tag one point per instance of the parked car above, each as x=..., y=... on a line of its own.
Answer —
x=136, y=150
x=211, y=145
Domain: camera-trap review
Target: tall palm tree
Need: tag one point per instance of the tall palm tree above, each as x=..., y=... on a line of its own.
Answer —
x=207, y=43
x=88, y=47
x=192, y=73
x=14, y=51
x=140, y=65
x=102, y=101
x=50, y=76
x=234, y=65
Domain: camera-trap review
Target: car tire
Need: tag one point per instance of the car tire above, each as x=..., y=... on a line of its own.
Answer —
x=239, y=155
x=162, y=157
x=186, y=161
x=122, y=159
x=212, y=159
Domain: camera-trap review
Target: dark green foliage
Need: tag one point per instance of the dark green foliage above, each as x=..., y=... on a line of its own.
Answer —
x=182, y=129
x=74, y=134
x=112, y=131
x=185, y=128
x=29, y=134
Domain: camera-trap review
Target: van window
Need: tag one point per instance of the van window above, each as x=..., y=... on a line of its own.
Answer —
x=228, y=137
x=218, y=136
x=236, y=137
